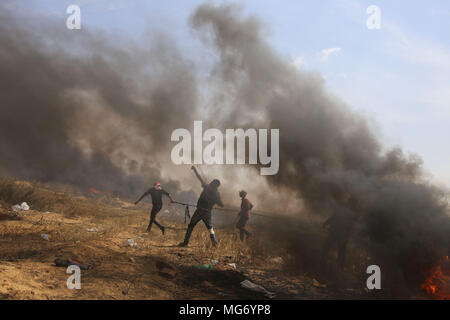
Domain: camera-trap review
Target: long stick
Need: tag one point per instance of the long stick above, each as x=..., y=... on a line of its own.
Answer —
x=223, y=209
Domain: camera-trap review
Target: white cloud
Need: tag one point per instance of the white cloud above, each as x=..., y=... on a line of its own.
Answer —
x=325, y=53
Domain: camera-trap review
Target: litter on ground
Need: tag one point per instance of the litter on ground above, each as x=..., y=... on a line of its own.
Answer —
x=73, y=262
x=131, y=243
x=203, y=266
x=233, y=265
x=257, y=288
x=318, y=284
x=22, y=207
x=278, y=260
x=214, y=262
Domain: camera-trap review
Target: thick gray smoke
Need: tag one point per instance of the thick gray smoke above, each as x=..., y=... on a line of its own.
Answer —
x=328, y=154
x=98, y=112
x=88, y=110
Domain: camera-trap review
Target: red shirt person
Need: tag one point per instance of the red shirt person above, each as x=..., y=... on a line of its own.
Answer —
x=244, y=215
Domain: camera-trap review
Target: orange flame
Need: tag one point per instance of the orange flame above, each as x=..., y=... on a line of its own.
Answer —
x=95, y=191
x=437, y=284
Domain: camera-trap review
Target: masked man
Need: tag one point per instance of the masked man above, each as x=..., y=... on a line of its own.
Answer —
x=156, y=193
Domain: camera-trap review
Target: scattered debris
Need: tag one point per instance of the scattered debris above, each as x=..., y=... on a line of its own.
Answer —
x=132, y=260
x=25, y=206
x=222, y=294
x=92, y=230
x=257, y=288
x=16, y=216
x=243, y=255
x=131, y=243
x=214, y=262
x=318, y=284
x=233, y=265
x=22, y=207
x=73, y=262
x=354, y=291
x=45, y=237
x=278, y=260
x=203, y=266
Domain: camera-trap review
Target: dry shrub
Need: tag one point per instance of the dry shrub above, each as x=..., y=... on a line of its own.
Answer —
x=16, y=192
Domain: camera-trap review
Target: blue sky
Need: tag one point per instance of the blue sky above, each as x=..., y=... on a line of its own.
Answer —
x=398, y=75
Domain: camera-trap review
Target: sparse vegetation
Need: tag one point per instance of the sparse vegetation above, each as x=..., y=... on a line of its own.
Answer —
x=26, y=259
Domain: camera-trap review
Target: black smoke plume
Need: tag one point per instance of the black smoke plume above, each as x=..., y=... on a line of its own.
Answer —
x=328, y=154
x=95, y=110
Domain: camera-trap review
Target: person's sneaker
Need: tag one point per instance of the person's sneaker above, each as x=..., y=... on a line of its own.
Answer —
x=182, y=244
x=163, y=230
x=214, y=240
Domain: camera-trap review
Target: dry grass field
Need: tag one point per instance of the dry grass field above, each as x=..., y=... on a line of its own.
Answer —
x=153, y=269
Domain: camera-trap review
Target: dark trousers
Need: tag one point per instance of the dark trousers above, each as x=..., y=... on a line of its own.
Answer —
x=156, y=208
x=199, y=215
x=241, y=226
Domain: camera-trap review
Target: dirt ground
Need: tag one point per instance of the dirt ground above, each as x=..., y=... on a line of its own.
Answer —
x=153, y=269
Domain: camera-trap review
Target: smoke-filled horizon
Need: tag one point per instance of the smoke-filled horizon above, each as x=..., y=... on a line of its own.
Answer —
x=94, y=112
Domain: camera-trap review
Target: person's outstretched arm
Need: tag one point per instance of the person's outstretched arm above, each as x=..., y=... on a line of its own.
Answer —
x=198, y=176
x=142, y=197
x=219, y=200
x=168, y=195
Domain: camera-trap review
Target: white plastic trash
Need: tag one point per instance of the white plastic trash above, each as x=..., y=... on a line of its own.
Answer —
x=233, y=265
x=22, y=207
x=257, y=288
x=131, y=243
x=25, y=206
x=45, y=237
